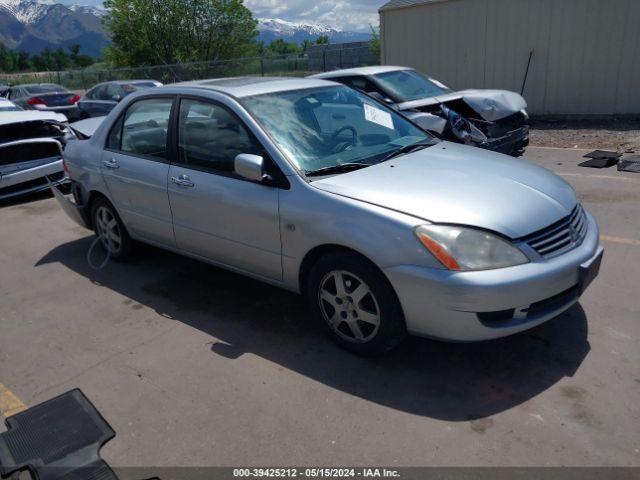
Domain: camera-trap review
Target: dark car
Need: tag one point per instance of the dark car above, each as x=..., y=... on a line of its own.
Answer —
x=101, y=99
x=47, y=97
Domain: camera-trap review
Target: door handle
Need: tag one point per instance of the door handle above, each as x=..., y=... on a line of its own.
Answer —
x=183, y=181
x=111, y=163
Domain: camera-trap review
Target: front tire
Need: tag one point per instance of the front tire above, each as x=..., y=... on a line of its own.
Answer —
x=109, y=228
x=356, y=304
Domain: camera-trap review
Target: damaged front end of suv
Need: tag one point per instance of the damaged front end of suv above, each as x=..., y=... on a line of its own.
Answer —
x=31, y=145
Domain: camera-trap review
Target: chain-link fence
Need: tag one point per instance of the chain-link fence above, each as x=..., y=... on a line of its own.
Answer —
x=317, y=58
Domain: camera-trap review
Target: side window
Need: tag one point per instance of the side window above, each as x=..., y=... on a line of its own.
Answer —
x=98, y=93
x=145, y=127
x=363, y=84
x=211, y=136
x=113, y=140
x=111, y=92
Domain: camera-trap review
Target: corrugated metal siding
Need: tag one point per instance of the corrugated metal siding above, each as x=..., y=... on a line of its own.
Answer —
x=586, y=56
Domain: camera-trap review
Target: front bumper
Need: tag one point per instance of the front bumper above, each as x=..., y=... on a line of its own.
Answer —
x=444, y=304
x=31, y=179
x=513, y=143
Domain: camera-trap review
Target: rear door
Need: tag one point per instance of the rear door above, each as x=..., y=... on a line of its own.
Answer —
x=216, y=214
x=135, y=166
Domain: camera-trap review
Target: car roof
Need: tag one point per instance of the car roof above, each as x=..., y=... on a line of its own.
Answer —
x=359, y=71
x=248, y=86
x=27, y=85
x=127, y=82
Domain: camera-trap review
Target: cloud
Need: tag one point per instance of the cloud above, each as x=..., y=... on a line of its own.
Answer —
x=345, y=14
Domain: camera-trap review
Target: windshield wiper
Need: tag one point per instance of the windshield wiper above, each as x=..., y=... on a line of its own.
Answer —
x=340, y=168
x=408, y=149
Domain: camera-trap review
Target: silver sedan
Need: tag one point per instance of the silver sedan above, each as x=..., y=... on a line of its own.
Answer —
x=319, y=189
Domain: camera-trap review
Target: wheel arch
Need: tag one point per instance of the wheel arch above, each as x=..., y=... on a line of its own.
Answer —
x=317, y=252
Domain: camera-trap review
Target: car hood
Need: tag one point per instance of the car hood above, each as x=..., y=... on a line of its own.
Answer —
x=491, y=105
x=19, y=116
x=451, y=183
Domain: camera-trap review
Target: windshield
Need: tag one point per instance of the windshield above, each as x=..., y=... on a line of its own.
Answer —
x=331, y=126
x=44, y=88
x=407, y=85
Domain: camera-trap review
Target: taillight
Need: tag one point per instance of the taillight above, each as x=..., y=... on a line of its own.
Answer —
x=75, y=99
x=64, y=168
x=35, y=101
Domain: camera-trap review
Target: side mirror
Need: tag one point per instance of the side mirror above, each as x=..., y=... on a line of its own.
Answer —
x=116, y=98
x=250, y=167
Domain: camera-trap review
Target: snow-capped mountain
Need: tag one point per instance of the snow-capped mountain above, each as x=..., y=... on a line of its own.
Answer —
x=273, y=28
x=26, y=11
x=283, y=27
x=32, y=25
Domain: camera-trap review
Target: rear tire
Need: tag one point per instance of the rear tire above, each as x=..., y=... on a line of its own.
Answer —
x=109, y=228
x=356, y=304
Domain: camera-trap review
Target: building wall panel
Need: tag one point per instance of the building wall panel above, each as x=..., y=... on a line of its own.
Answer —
x=586, y=53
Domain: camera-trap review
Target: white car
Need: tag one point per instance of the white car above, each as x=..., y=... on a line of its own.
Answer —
x=30, y=149
x=8, y=106
x=492, y=119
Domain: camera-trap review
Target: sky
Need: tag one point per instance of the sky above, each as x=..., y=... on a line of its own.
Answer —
x=350, y=15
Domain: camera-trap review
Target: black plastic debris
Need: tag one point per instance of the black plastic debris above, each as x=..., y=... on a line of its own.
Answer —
x=59, y=438
x=599, y=163
x=602, y=154
x=630, y=164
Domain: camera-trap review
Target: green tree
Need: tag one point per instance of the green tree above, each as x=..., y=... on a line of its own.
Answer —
x=322, y=40
x=171, y=31
x=78, y=59
x=7, y=63
x=374, y=44
x=305, y=44
x=21, y=61
x=282, y=47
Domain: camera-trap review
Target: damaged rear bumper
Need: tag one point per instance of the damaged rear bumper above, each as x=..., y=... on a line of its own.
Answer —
x=71, y=205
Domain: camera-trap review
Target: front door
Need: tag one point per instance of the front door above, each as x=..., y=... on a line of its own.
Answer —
x=216, y=214
x=135, y=168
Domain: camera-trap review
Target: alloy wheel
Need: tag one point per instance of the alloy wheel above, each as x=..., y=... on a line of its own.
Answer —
x=349, y=306
x=108, y=230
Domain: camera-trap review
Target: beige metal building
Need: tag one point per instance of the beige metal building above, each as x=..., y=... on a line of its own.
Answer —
x=586, y=53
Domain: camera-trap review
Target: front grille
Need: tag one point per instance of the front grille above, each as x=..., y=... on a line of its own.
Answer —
x=560, y=236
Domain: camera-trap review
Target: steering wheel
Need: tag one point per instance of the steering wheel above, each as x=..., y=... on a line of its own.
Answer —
x=346, y=144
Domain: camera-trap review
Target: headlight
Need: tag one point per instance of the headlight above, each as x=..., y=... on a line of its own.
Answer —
x=462, y=248
x=525, y=114
x=462, y=128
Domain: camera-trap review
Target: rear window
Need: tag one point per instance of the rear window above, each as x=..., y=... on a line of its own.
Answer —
x=134, y=87
x=45, y=88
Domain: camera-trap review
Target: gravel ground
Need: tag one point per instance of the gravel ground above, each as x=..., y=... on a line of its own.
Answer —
x=622, y=135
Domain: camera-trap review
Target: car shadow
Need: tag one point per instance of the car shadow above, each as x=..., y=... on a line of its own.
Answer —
x=446, y=381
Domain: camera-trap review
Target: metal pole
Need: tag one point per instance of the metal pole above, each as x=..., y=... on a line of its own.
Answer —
x=526, y=73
